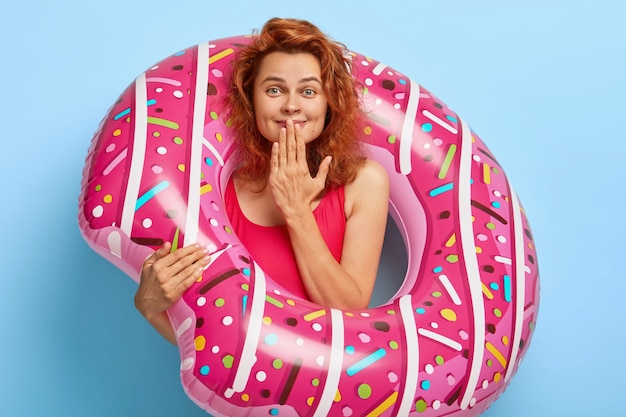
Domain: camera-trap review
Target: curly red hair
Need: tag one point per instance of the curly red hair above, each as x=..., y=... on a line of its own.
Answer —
x=344, y=118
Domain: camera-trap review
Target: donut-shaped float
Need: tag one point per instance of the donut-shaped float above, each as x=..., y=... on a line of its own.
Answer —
x=447, y=343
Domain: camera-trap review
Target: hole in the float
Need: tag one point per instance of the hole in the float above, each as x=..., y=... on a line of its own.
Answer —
x=393, y=266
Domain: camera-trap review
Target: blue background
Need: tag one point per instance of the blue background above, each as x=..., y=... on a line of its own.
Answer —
x=542, y=82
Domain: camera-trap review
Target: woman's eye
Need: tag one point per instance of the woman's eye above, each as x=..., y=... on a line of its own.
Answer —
x=273, y=91
x=309, y=92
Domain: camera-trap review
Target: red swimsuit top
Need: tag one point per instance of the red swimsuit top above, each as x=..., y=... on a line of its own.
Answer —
x=270, y=246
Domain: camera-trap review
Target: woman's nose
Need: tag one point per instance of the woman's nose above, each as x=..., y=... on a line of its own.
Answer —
x=291, y=104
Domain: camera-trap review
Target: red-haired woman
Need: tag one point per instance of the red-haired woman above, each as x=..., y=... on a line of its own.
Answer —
x=307, y=204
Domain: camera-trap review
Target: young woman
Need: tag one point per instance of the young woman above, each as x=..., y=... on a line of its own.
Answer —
x=304, y=200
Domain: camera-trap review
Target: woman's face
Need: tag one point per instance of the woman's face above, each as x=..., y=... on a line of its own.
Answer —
x=289, y=87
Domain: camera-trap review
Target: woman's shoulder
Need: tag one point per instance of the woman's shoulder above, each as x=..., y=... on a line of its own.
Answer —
x=370, y=186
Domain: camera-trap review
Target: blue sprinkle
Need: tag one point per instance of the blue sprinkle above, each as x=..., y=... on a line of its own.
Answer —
x=427, y=127
x=122, y=114
x=204, y=370
x=350, y=350
x=452, y=118
x=441, y=189
x=496, y=204
x=246, y=271
x=507, y=288
x=148, y=195
x=274, y=412
x=494, y=286
x=151, y=102
x=437, y=269
x=420, y=310
x=365, y=362
x=271, y=339
x=179, y=53
x=401, y=81
x=425, y=385
x=208, y=161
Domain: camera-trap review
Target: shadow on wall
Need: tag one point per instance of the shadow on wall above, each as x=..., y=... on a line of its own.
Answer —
x=393, y=266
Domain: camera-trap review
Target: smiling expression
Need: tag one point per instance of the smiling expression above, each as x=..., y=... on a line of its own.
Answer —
x=289, y=87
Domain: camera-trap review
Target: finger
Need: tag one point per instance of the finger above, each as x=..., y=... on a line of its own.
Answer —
x=274, y=156
x=160, y=253
x=191, y=274
x=322, y=171
x=282, y=146
x=300, y=145
x=291, y=142
x=183, y=257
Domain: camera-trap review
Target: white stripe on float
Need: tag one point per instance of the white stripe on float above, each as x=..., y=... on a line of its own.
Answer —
x=251, y=341
x=508, y=261
x=138, y=155
x=335, y=364
x=412, y=359
x=454, y=296
x=520, y=287
x=471, y=265
x=197, y=135
x=406, y=136
x=440, y=122
x=378, y=69
x=437, y=337
x=213, y=150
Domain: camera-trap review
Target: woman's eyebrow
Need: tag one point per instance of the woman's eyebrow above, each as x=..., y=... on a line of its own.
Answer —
x=273, y=78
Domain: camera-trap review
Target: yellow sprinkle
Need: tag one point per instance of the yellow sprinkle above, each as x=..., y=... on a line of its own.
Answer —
x=200, y=342
x=451, y=241
x=367, y=130
x=117, y=132
x=497, y=376
x=267, y=320
x=505, y=340
x=219, y=137
x=496, y=353
x=206, y=188
x=245, y=397
x=486, y=174
x=290, y=302
x=337, y=396
x=310, y=400
x=479, y=249
x=107, y=198
x=487, y=292
x=314, y=315
x=448, y=314
x=220, y=55
x=385, y=405
x=181, y=167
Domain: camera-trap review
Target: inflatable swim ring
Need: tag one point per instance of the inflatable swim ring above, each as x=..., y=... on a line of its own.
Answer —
x=447, y=343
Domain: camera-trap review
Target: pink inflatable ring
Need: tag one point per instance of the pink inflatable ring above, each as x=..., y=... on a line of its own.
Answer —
x=449, y=341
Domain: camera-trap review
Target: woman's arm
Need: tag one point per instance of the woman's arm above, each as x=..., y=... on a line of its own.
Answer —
x=165, y=276
x=347, y=284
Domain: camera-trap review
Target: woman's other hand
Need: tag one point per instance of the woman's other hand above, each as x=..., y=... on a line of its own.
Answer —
x=165, y=276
